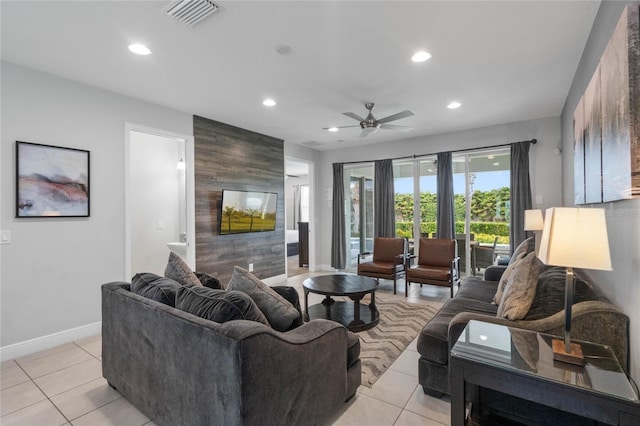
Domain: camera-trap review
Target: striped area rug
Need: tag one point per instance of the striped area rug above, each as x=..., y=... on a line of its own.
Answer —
x=400, y=323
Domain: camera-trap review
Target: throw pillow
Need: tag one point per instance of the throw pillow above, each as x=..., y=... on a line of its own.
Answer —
x=505, y=278
x=179, y=271
x=218, y=305
x=278, y=311
x=208, y=281
x=525, y=247
x=155, y=287
x=521, y=289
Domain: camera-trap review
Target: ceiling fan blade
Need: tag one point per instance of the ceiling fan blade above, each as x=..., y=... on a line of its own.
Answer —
x=395, y=127
x=353, y=115
x=340, y=127
x=397, y=116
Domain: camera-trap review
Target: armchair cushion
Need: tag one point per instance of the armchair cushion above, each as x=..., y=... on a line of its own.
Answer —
x=278, y=311
x=380, y=267
x=436, y=252
x=428, y=272
x=388, y=249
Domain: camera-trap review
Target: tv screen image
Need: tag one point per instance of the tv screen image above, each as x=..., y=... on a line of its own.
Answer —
x=248, y=211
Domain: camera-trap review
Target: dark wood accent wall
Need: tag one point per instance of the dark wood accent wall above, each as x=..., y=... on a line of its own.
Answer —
x=228, y=157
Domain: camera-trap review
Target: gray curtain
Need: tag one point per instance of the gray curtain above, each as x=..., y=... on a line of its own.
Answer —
x=338, y=232
x=445, y=217
x=384, y=199
x=520, y=191
x=297, y=209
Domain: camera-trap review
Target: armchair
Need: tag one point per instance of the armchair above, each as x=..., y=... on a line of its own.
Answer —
x=485, y=255
x=437, y=264
x=388, y=262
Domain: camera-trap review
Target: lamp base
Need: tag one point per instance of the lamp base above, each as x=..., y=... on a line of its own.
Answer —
x=575, y=357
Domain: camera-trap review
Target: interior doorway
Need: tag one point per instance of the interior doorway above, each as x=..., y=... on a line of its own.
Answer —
x=159, y=199
x=299, y=216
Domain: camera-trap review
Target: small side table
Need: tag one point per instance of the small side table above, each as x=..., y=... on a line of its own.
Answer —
x=520, y=363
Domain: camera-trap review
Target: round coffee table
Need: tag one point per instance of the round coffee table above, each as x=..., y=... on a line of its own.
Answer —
x=355, y=316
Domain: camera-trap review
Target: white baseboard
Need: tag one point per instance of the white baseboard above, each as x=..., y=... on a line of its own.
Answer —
x=45, y=342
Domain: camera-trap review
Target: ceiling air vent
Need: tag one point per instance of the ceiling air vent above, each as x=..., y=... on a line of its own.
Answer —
x=190, y=12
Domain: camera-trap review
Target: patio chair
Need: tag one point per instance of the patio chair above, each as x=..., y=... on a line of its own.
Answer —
x=485, y=255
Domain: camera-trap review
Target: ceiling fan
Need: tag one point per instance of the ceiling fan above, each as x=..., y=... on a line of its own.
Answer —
x=371, y=124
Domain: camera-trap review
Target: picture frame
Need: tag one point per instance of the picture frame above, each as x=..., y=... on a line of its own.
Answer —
x=51, y=181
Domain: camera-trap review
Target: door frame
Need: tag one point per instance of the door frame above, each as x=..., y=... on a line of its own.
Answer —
x=312, y=213
x=189, y=191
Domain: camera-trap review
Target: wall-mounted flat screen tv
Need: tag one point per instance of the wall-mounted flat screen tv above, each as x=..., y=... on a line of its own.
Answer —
x=248, y=211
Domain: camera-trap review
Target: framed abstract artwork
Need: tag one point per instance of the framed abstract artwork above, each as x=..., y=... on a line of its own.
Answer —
x=607, y=120
x=51, y=181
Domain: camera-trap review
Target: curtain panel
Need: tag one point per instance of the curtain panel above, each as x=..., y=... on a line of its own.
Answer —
x=445, y=226
x=338, y=231
x=520, y=191
x=384, y=224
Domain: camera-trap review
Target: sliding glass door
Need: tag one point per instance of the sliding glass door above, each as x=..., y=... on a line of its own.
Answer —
x=359, y=219
x=482, y=201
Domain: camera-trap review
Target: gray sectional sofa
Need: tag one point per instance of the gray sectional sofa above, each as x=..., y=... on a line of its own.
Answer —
x=180, y=369
x=593, y=319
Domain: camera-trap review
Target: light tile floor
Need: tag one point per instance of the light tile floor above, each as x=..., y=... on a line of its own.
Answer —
x=64, y=385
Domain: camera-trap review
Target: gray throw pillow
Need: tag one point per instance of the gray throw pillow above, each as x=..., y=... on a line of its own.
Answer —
x=218, y=305
x=525, y=247
x=155, y=287
x=521, y=289
x=179, y=271
x=276, y=308
x=505, y=278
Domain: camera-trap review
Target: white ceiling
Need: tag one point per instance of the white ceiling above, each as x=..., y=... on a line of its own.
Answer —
x=505, y=61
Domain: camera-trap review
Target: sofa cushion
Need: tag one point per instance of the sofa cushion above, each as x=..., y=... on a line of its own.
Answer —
x=477, y=289
x=504, y=279
x=550, y=291
x=433, y=341
x=278, y=311
x=155, y=287
x=179, y=271
x=521, y=289
x=208, y=281
x=218, y=305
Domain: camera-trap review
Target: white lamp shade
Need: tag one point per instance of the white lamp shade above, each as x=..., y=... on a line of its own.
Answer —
x=575, y=237
x=533, y=220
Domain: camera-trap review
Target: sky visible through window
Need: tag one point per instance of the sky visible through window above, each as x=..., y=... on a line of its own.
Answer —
x=485, y=181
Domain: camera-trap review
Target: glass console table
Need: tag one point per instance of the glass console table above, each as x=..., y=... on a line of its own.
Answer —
x=520, y=363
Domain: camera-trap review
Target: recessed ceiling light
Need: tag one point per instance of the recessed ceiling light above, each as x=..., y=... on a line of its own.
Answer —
x=454, y=105
x=496, y=163
x=269, y=102
x=490, y=157
x=139, y=49
x=420, y=56
x=333, y=129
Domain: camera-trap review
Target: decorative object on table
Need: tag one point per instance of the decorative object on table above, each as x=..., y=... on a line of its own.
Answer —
x=574, y=238
x=51, y=181
x=607, y=120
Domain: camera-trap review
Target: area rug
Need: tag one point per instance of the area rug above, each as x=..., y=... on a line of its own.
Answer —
x=400, y=323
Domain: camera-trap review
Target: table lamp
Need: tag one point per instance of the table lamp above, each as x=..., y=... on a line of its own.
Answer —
x=533, y=222
x=573, y=238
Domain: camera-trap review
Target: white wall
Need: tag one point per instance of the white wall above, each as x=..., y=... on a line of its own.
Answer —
x=289, y=184
x=52, y=272
x=157, y=200
x=544, y=164
x=622, y=286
